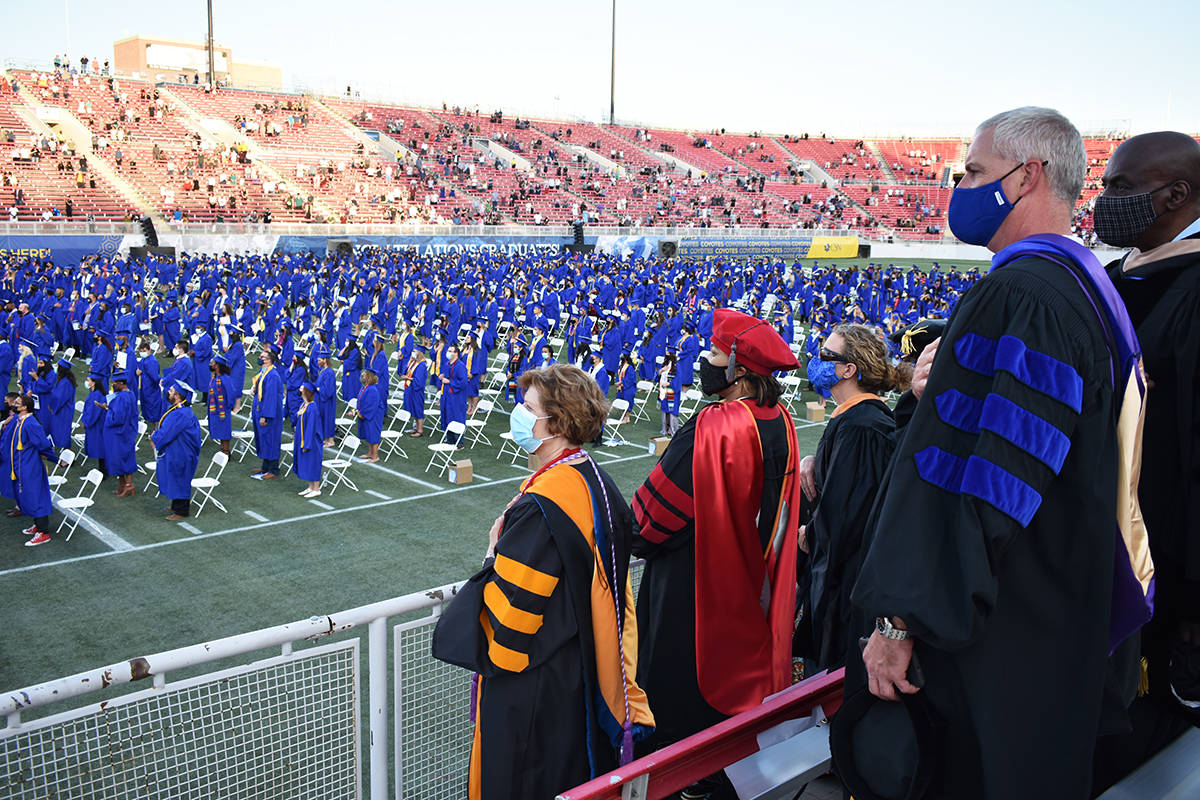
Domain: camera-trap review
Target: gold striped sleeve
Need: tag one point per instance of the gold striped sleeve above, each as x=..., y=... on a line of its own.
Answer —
x=509, y=615
x=525, y=577
x=503, y=657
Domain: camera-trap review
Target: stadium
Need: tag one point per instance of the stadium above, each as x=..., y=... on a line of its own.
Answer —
x=276, y=644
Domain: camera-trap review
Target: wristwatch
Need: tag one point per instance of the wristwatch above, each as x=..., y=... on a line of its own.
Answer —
x=885, y=628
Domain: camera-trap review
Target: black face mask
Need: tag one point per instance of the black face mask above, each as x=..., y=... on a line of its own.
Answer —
x=1121, y=221
x=712, y=378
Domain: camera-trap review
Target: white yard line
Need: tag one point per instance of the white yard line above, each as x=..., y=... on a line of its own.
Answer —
x=198, y=535
x=319, y=504
x=374, y=493
x=115, y=542
x=255, y=515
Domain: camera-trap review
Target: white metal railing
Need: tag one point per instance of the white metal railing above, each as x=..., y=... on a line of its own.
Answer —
x=430, y=711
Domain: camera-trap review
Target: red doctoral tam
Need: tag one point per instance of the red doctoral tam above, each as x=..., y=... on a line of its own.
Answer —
x=759, y=347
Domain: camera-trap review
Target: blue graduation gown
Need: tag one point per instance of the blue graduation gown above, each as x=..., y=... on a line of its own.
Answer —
x=236, y=356
x=220, y=407
x=101, y=361
x=671, y=405
x=203, y=349
x=177, y=442
x=28, y=446
x=93, y=424
x=148, y=389
x=180, y=370
x=308, y=446
x=414, y=388
x=370, y=407
x=8, y=487
x=327, y=401
x=120, y=434
x=295, y=379
x=627, y=384
x=454, y=394
x=351, y=374
x=61, y=412
x=268, y=438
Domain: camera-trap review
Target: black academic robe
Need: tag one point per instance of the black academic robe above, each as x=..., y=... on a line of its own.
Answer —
x=524, y=624
x=851, y=459
x=665, y=509
x=994, y=536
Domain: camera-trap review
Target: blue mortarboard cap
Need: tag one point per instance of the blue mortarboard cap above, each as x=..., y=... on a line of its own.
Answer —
x=65, y=364
x=274, y=348
x=309, y=386
x=96, y=376
x=320, y=351
x=185, y=390
x=220, y=358
x=420, y=348
x=234, y=327
x=32, y=345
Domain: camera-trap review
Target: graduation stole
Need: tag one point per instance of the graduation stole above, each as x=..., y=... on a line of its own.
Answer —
x=413, y=363
x=216, y=396
x=257, y=387
x=168, y=411
x=300, y=425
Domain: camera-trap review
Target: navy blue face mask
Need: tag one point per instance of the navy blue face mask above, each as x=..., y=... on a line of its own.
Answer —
x=978, y=212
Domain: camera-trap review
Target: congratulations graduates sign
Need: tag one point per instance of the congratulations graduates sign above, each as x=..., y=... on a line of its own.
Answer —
x=434, y=245
x=64, y=251
x=743, y=247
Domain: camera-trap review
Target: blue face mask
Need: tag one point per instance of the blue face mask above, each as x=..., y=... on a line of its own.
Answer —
x=977, y=213
x=822, y=375
x=520, y=425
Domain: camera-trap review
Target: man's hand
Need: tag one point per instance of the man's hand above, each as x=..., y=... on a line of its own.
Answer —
x=804, y=538
x=924, y=365
x=808, y=480
x=887, y=663
x=262, y=421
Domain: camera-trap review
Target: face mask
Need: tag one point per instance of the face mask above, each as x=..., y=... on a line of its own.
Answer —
x=822, y=375
x=520, y=425
x=976, y=214
x=1121, y=221
x=712, y=378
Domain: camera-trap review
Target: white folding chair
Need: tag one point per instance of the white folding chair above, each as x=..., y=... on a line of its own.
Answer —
x=334, y=469
x=243, y=440
x=442, y=453
x=204, y=486
x=477, y=422
x=348, y=422
x=58, y=476
x=691, y=402
x=508, y=447
x=390, y=439
x=645, y=389
x=142, y=428
x=612, y=425
x=80, y=502
x=69, y=353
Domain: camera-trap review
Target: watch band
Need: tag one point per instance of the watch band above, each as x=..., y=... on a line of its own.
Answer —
x=885, y=628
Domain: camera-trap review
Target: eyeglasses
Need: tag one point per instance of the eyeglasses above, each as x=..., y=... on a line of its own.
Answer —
x=825, y=354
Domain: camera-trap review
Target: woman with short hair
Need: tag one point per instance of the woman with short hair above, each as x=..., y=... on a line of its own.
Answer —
x=546, y=624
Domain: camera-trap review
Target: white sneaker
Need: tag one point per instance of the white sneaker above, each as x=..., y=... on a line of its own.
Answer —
x=304, y=492
x=312, y=494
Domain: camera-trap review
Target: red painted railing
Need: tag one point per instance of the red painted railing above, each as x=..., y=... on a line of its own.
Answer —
x=683, y=763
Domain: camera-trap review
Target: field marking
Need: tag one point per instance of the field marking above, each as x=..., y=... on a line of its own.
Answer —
x=374, y=493
x=255, y=515
x=192, y=529
x=102, y=533
x=390, y=471
x=271, y=523
x=479, y=477
x=319, y=504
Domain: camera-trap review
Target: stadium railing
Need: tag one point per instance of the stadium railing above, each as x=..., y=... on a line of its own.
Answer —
x=681, y=764
x=284, y=723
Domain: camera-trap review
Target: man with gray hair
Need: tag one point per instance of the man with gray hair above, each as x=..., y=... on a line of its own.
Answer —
x=1007, y=558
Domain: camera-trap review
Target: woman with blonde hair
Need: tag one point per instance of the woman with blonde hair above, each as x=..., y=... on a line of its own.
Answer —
x=854, y=368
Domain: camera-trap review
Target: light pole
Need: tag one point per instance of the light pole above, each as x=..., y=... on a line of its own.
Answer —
x=612, y=89
x=212, y=75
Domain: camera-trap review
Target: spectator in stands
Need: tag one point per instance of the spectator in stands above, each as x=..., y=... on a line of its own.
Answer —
x=1151, y=202
x=693, y=658
x=177, y=445
x=543, y=624
x=993, y=549
x=841, y=481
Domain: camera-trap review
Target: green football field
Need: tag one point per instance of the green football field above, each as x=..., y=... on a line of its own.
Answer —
x=129, y=583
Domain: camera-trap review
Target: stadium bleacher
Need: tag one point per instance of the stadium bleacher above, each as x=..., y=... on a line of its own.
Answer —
x=307, y=162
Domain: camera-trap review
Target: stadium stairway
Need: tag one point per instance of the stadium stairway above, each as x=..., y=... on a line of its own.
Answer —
x=81, y=135
x=373, y=147
x=223, y=131
x=883, y=162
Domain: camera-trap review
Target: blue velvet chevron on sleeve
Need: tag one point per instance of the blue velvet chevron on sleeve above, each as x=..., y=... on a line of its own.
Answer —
x=1016, y=425
x=1038, y=371
x=980, y=478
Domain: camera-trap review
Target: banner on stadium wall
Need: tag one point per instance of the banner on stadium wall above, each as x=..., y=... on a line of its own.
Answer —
x=434, y=245
x=64, y=251
x=769, y=247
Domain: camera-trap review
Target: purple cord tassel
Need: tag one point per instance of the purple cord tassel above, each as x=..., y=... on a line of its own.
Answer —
x=474, y=694
x=627, y=744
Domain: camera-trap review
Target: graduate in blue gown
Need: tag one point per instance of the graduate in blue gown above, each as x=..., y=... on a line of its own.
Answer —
x=326, y=387
x=296, y=377
x=7, y=362
x=416, y=375
x=120, y=435
x=598, y=371
x=95, y=407
x=475, y=361
x=235, y=356
x=102, y=353
x=202, y=353
x=454, y=392
x=177, y=444
x=669, y=392
x=370, y=412
x=221, y=399
x=8, y=424
x=180, y=370
x=308, y=445
x=351, y=358
x=626, y=383
x=26, y=449
x=27, y=367
x=147, y=384
x=267, y=414
x=60, y=410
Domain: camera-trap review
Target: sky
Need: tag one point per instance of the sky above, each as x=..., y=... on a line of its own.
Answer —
x=866, y=68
